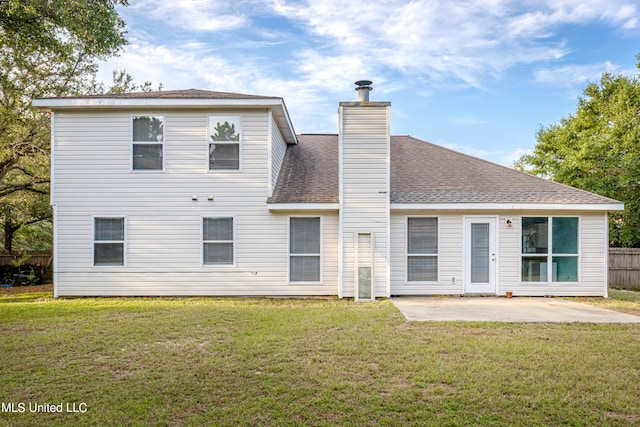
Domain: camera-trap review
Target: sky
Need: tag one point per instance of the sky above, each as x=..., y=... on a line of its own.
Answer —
x=476, y=76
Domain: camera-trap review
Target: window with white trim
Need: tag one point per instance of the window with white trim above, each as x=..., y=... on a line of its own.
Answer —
x=217, y=241
x=550, y=249
x=422, y=249
x=108, y=241
x=304, y=249
x=147, y=138
x=224, y=137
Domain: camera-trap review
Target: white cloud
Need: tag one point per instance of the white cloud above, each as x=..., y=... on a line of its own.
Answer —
x=508, y=158
x=467, y=121
x=195, y=15
x=542, y=20
x=573, y=75
x=502, y=157
x=439, y=42
x=194, y=65
x=442, y=40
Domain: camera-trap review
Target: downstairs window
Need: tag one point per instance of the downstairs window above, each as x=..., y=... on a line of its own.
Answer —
x=108, y=241
x=217, y=241
x=422, y=249
x=304, y=249
x=550, y=249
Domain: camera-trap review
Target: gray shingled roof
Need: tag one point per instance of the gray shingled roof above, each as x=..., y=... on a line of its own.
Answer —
x=309, y=172
x=421, y=173
x=177, y=94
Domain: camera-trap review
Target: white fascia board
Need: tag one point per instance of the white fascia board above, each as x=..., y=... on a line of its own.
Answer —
x=508, y=206
x=281, y=115
x=276, y=104
x=106, y=102
x=303, y=206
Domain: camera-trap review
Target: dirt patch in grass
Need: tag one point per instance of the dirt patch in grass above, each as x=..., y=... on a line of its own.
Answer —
x=25, y=293
x=13, y=290
x=619, y=300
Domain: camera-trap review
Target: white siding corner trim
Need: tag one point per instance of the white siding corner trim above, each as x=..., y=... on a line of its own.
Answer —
x=55, y=250
x=52, y=177
x=270, y=148
x=606, y=255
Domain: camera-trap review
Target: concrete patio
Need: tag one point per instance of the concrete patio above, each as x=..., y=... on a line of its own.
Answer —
x=494, y=309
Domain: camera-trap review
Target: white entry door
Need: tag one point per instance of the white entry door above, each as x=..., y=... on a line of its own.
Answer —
x=480, y=255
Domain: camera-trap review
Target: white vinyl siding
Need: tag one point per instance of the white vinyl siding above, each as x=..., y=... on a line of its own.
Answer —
x=450, y=255
x=364, y=205
x=592, y=247
x=164, y=226
x=278, y=149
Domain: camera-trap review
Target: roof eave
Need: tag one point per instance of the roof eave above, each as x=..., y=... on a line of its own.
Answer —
x=277, y=105
x=303, y=206
x=593, y=207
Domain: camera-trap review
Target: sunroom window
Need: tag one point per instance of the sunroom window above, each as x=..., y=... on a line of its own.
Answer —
x=550, y=249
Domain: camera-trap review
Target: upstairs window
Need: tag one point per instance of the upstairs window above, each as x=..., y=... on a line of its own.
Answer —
x=148, y=139
x=108, y=241
x=224, y=137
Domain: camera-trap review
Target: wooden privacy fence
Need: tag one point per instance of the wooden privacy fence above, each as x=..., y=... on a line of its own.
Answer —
x=624, y=268
x=40, y=261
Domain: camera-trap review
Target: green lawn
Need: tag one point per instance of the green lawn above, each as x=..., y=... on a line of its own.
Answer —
x=209, y=361
x=619, y=300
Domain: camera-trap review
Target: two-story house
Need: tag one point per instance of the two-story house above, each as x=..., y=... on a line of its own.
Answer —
x=209, y=193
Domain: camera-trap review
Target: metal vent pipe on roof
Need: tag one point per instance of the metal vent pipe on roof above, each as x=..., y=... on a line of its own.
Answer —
x=364, y=87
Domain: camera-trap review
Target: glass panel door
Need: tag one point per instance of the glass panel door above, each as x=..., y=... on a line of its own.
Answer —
x=480, y=253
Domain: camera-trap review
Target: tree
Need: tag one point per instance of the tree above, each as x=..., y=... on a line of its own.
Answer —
x=123, y=83
x=20, y=211
x=598, y=149
x=225, y=132
x=58, y=25
x=47, y=48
